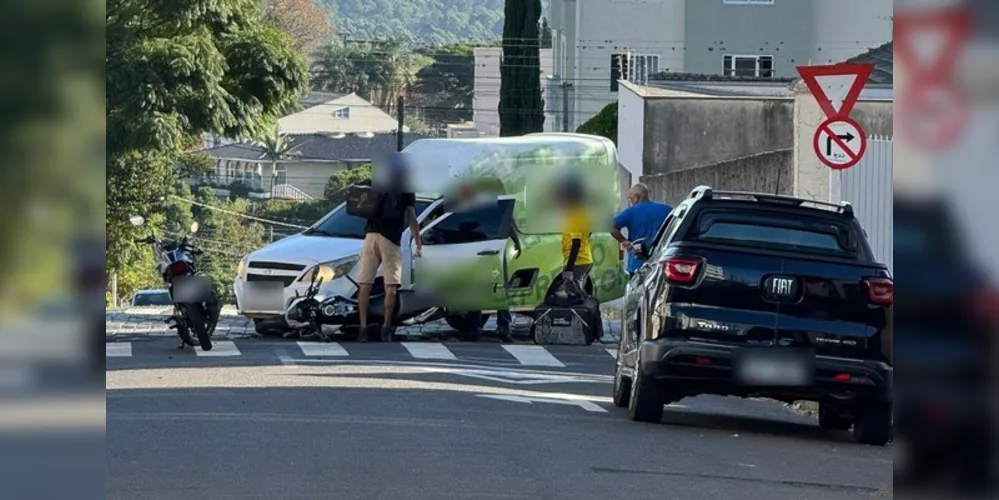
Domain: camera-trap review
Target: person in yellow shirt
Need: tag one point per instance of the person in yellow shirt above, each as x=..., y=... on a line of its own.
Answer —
x=577, y=255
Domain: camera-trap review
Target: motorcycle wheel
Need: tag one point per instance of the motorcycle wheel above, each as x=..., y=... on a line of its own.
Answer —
x=214, y=308
x=197, y=321
x=182, y=330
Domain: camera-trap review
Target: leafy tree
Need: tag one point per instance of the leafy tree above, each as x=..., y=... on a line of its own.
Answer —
x=376, y=71
x=444, y=88
x=51, y=138
x=546, y=34
x=424, y=22
x=521, y=109
x=226, y=238
x=174, y=72
x=308, y=24
x=603, y=123
x=336, y=187
x=415, y=124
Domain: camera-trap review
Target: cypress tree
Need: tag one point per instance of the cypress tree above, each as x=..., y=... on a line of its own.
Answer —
x=521, y=107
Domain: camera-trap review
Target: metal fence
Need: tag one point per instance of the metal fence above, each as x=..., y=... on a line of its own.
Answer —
x=868, y=187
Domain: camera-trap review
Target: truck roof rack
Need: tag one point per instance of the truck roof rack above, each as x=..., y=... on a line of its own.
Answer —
x=707, y=193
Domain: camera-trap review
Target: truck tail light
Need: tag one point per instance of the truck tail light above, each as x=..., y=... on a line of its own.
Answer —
x=880, y=291
x=681, y=270
x=985, y=304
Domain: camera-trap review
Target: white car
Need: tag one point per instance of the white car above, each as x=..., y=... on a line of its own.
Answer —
x=270, y=278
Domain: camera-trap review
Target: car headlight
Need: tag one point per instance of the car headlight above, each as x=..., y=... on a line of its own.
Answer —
x=241, y=269
x=331, y=270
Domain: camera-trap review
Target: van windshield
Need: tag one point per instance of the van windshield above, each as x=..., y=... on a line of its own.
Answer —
x=340, y=224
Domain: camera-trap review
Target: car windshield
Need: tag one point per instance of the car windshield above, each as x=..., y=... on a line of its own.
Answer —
x=152, y=299
x=340, y=224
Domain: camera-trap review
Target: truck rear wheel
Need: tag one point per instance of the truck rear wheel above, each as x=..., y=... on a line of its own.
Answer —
x=874, y=425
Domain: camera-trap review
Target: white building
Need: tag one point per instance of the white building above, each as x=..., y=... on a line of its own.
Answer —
x=598, y=42
x=485, y=103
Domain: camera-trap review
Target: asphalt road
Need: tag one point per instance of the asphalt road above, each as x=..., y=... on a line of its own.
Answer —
x=273, y=420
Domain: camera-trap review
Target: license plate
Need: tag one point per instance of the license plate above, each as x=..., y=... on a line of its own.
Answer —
x=774, y=367
x=264, y=297
x=189, y=290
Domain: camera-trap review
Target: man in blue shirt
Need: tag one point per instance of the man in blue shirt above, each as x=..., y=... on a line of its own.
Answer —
x=642, y=219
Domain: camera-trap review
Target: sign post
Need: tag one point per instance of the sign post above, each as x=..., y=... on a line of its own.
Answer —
x=839, y=141
x=934, y=113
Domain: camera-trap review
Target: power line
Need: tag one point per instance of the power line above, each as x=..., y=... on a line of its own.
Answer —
x=230, y=212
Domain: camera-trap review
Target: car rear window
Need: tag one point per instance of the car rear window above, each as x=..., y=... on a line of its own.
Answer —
x=781, y=233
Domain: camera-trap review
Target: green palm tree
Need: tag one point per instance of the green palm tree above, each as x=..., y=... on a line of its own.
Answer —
x=276, y=147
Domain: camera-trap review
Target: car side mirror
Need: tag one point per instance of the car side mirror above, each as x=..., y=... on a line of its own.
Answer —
x=640, y=249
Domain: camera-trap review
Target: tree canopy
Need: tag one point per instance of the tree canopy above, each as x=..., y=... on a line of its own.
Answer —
x=376, y=71
x=603, y=123
x=444, y=88
x=521, y=107
x=425, y=22
x=177, y=70
x=308, y=24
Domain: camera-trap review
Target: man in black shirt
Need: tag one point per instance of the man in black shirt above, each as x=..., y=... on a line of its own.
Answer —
x=382, y=244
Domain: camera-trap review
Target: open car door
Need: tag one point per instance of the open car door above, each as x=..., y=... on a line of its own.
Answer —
x=464, y=257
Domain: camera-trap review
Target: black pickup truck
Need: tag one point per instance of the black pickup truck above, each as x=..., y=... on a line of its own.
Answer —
x=755, y=295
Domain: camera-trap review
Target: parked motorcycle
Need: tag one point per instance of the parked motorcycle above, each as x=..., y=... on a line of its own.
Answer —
x=309, y=313
x=196, y=305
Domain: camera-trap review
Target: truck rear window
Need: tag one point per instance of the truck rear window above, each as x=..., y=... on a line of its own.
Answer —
x=793, y=234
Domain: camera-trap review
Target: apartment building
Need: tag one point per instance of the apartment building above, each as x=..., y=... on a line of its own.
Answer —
x=596, y=43
x=486, y=90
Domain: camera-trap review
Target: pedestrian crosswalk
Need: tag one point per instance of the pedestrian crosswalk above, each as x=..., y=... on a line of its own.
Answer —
x=513, y=354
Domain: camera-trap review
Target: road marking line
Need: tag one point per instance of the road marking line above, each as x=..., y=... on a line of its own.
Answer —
x=322, y=349
x=222, y=348
x=428, y=350
x=118, y=350
x=533, y=355
x=612, y=352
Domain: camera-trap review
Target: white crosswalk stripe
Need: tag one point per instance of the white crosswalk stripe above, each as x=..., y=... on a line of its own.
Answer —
x=612, y=352
x=533, y=355
x=428, y=350
x=118, y=350
x=322, y=349
x=220, y=348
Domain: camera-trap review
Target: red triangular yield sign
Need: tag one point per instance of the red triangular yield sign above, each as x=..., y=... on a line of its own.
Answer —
x=836, y=106
x=952, y=26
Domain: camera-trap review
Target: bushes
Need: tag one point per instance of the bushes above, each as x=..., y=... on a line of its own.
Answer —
x=603, y=124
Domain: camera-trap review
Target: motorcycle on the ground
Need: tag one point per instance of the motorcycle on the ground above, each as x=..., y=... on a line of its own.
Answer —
x=196, y=305
x=308, y=313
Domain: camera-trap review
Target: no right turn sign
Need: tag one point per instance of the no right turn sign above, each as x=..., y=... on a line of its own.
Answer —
x=839, y=143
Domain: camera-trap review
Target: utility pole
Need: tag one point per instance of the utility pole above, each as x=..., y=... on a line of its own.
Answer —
x=400, y=111
x=566, y=87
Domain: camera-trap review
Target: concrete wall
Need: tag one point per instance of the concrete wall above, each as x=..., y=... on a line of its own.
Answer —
x=682, y=133
x=766, y=172
x=811, y=177
x=715, y=29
